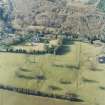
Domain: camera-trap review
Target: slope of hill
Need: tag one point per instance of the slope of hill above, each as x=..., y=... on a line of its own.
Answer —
x=101, y=5
x=71, y=16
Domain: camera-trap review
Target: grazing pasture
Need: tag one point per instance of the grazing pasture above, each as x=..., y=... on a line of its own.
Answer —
x=75, y=71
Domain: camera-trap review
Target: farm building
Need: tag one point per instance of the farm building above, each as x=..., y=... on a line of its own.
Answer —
x=56, y=42
x=101, y=59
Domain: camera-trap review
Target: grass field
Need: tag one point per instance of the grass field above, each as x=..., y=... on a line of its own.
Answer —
x=30, y=66
x=57, y=71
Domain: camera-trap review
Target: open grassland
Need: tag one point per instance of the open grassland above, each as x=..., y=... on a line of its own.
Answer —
x=22, y=69
x=57, y=73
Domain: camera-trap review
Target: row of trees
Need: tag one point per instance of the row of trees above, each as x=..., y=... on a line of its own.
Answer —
x=90, y=38
x=24, y=51
x=67, y=96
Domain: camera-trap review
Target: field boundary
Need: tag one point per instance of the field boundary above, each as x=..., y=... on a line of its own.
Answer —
x=38, y=93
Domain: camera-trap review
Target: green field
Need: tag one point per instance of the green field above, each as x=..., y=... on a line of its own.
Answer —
x=75, y=71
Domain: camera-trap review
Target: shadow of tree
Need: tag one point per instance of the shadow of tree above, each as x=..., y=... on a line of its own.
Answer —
x=102, y=87
x=25, y=77
x=24, y=70
x=65, y=48
x=89, y=80
x=68, y=42
x=54, y=88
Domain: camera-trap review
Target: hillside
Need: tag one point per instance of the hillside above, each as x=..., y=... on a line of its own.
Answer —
x=80, y=17
x=54, y=50
x=101, y=5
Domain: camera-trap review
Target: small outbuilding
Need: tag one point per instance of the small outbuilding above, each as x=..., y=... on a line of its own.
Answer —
x=101, y=59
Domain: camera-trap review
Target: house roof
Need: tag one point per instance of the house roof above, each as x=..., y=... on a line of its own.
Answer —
x=101, y=59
